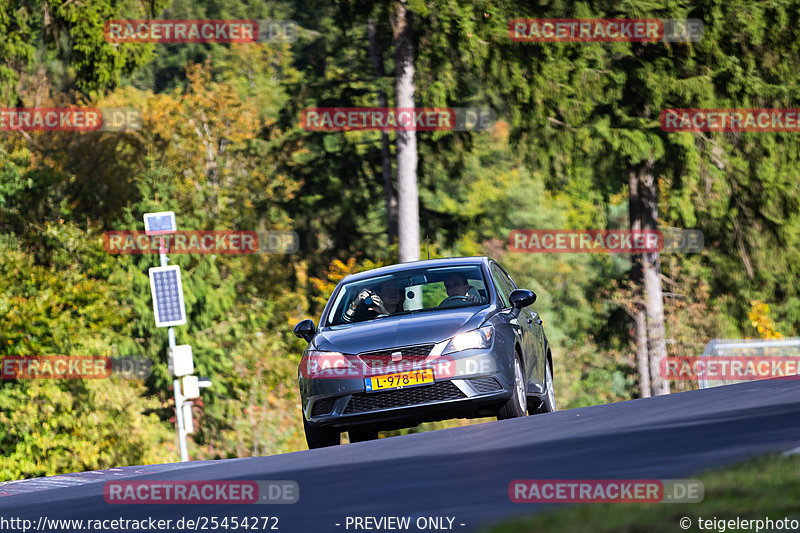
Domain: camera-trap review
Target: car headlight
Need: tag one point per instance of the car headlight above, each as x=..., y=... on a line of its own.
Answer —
x=316, y=361
x=470, y=340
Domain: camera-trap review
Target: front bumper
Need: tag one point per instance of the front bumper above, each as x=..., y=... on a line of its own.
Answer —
x=473, y=383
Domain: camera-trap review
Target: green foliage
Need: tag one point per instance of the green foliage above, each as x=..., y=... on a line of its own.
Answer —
x=68, y=38
x=49, y=428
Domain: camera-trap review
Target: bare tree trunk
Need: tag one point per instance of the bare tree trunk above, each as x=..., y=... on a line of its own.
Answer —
x=643, y=202
x=637, y=283
x=407, y=195
x=654, y=303
x=642, y=357
x=212, y=176
x=390, y=197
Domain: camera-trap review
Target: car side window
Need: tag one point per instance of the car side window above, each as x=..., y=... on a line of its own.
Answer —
x=505, y=277
x=501, y=284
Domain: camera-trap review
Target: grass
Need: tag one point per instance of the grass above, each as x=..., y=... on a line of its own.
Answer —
x=768, y=486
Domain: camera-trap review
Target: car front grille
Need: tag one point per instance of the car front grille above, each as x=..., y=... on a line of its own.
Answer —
x=323, y=407
x=441, y=391
x=411, y=355
x=485, y=385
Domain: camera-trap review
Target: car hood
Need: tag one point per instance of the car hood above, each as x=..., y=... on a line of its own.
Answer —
x=405, y=330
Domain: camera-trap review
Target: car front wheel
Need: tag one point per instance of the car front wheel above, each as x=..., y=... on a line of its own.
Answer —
x=320, y=437
x=517, y=405
x=547, y=404
x=362, y=435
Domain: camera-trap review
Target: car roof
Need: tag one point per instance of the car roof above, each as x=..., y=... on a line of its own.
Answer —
x=413, y=265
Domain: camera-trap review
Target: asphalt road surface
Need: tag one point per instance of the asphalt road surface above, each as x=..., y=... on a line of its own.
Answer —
x=461, y=474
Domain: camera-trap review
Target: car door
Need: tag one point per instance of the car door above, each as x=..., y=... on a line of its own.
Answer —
x=533, y=337
x=518, y=324
x=509, y=329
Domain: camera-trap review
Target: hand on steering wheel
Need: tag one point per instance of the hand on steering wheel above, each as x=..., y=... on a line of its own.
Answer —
x=453, y=299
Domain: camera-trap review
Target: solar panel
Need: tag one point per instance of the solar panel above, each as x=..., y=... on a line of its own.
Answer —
x=165, y=284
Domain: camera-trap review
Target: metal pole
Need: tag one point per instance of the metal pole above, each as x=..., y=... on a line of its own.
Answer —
x=176, y=383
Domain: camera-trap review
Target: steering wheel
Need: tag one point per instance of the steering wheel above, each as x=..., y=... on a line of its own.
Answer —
x=454, y=299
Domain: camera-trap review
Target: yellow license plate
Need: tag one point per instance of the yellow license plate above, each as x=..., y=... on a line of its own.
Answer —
x=400, y=380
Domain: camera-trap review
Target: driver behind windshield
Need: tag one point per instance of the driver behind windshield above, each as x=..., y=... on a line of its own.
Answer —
x=386, y=300
x=457, y=285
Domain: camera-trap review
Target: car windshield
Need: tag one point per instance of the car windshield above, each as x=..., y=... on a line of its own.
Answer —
x=409, y=291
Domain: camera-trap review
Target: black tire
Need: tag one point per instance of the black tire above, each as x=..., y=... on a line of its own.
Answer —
x=362, y=434
x=517, y=405
x=317, y=437
x=547, y=403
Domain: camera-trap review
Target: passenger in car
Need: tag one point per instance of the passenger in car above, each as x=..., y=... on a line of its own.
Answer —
x=387, y=299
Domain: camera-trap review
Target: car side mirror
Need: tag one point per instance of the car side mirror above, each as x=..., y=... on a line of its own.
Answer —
x=305, y=330
x=521, y=298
